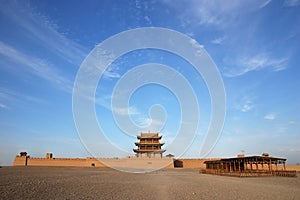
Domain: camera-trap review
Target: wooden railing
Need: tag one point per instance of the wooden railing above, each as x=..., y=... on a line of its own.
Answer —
x=250, y=173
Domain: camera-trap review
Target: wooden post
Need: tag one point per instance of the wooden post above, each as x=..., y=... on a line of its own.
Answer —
x=233, y=166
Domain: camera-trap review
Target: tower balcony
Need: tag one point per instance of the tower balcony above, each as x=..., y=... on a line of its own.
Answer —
x=149, y=151
x=149, y=143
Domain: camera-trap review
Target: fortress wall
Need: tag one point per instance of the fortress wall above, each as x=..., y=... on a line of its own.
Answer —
x=55, y=162
x=131, y=162
x=170, y=166
x=138, y=163
x=189, y=163
x=80, y=162
x=94, y=162
x=293, y=167
x=20, y=161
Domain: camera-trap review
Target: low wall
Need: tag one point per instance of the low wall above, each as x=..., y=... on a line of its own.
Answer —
x=192, y=163
x=138, y=164
x=55, y=162
x=121, y=164
x=293, y=167
x=75, y=162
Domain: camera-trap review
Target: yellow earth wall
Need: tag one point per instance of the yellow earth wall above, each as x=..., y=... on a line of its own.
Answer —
x=20, y=161
x=80, y=162
x=55, y=162
x=293, y=167
x=189, y=163
x=178, y=163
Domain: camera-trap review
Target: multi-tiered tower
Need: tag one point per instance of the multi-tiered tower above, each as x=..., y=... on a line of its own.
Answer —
x=149, y=145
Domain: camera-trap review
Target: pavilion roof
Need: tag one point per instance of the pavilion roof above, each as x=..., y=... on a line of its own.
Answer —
x=246, y=158
x=149, y=135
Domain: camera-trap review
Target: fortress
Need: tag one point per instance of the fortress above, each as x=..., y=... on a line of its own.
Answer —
x=149, y=155
x=24, y=160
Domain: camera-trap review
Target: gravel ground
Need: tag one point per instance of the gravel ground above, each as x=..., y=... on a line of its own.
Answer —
x=104, y=183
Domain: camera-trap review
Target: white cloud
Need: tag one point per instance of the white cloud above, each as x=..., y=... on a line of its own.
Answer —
x=145, y=121
x=16, y=98
x=292, y=122
x=149, y=124
x=206, y=17
x=36, y=66
x=39, y=29
x=3, y=106
x=270, y=116
x=148, y=20
x=291, y=3
x=111, y=74
x=112, y=71
x=246, y=107
x=197, y=46
x=103, y=101
x=281, y=129
x=264, y=4
x=126, y=111
x=218, y=12
x=218, y=40
x=257, y=62
x=246, y=104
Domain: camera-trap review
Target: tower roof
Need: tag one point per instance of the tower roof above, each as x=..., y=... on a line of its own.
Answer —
x=149, y=135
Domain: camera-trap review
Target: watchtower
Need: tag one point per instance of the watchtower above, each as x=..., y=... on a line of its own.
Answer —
x=149, y=145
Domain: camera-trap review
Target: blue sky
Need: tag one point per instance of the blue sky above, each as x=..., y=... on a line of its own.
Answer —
x=255, y=45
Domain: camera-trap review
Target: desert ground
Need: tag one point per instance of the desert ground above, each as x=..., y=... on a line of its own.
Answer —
x=105, y=183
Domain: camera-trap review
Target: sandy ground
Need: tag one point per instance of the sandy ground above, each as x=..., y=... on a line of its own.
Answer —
x=104, y=183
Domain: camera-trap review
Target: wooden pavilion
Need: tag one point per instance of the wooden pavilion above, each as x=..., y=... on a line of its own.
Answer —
x=241, y=165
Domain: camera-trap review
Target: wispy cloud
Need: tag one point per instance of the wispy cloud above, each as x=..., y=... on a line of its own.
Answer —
x=270, y=116
x=291, y=3
x=230, y=18
x=218, y=12
x=2, y=106
x=218, y=40
x=10, y=99
x=265, y=3
x=197, y=46
x=105, y=102
x=148, y=20
x=292, y=122
x=245, y=105
x=257, y=62
x=145, y=121
x=36, y=66
x=126, y=111
x=281, y=129
x=112, y=71
x=40, y=30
